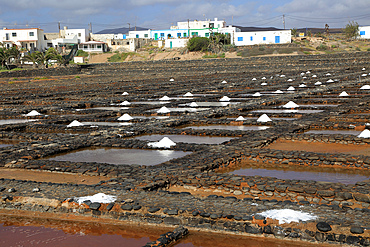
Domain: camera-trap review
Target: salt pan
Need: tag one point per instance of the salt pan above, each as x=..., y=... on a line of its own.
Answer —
x=224, y=82
x=291, y=88
x=278, y=91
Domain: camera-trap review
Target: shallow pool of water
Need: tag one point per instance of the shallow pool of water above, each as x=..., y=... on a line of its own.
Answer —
x=105, y=108
x=212, y=104
x=186, y=139
x=121, y=156
x=303, y=175
x=229, y=127
x=182, y=109
x=287, y=111
x=334, y=132
x=15, y=121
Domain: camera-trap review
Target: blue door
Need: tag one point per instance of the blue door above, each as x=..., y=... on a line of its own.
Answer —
x=170, y=44
x=277, y=39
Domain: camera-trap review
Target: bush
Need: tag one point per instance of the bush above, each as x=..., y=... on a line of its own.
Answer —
x=81, y=53
x=198, y=44
x=322, y=47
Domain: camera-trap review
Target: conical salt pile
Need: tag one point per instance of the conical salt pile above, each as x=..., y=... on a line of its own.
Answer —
x=75, y=123
x=125, y=93
x=254, y=79
x=264, y=84
x=318, y=83
x=225, y=98
x=365, y=87
x=224, y=82
x=329, y=81
x=364, y=134
x=240, y=118
x=278, y=91
x=257, y=94
x=193, y=104
x=165, y=98
x=264, y=118
x=164, y=143
x=290, y=104
x=125, y=117
x=291, y=88
x=125, y=103
x=188, y=94
x=263, y=78
x=172, y=79
x=343, y=94
x=302, y=85
x=163, y=110
x=32, y=113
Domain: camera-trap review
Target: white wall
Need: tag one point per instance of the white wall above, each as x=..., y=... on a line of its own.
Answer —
x=364, y=32
x=25, y=35
x=176, y=43
x=263, y=37
x=82, y=34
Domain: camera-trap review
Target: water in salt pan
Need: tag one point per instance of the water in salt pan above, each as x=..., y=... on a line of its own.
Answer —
x=229, y=127
x=186, y=139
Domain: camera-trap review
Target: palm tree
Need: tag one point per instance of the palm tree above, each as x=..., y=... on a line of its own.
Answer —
x=32, y=57
x=14, y=53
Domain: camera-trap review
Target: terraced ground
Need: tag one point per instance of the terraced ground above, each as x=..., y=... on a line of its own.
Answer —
x=197, y=190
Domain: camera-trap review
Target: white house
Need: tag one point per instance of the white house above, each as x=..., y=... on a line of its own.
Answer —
x=82, y=34
x=93, y=46
x=364, y=32
x=175, y=43
x=31, y=39
x=262, y=37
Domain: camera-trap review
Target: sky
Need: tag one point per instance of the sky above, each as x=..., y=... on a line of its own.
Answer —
x=161, y=14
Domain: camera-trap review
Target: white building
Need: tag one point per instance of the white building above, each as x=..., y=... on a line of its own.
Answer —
x=262, y=37
x=93, y=46
x=81, y=34
x=31, y=39
x=364, y=32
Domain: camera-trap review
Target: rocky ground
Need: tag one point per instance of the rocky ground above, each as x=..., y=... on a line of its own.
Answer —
x=193, y=191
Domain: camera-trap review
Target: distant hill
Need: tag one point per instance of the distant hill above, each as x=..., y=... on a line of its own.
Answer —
x=257, y=29
x=319, y=30
x=120, y=30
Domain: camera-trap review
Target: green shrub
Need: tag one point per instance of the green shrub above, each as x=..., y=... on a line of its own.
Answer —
x=81, y=53
x=358, y=49
x=322, y=47
x=119, y=57
x=198, y=44
x=262, y=48
x=368, y=49
x=333, y=46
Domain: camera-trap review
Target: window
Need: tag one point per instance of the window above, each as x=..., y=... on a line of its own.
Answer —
x=146, y=35
x=137, y=35
x=99, y=46
x=85, y=46
x=184, y=34
x=264, y=38
x=240, y=38
x=162, y=34
x=251, y=38
x=79, y=34
x=362, y=32
x=14, y=34
x=194, y=34
x=179, y=35
x=127, y=43
x=207, y=34
x=204, y=25
x=7, y=36
x=32, y=34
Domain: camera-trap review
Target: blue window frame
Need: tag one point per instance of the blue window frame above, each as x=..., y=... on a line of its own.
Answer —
x=264, y=38
x=179, y=35
x=251, y=38
x=162, y=34
x=240, y=38
x=137, y=35
x=362, y=32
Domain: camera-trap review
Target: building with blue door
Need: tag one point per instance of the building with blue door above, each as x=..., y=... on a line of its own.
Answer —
x=262, y=37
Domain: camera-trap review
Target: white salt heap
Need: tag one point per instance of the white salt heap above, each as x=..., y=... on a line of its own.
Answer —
x=164, y=143
x=165, y=98
x=225, y=98
x=330, y=80
x=287, y=215
x=254, y=79
x=364, y=75
x=193, y=104
x=257, y=94
x=291, y=88
x=302, y=85
x=365, y=87
x=264, y=118
x=172, y=79
x=278, y=91
x=163, y=110
x=100, y=197
x=343, y=94
x=33, y=113
x=125, y=93
x=364, y=134
x=290, y=104
x=290, y=80
x=263, y=83
x=240, y=118
x=188, y=94
x=125, y=117
x=125, y=103
x=318, y=83
x=263, y=78
x=224, y=82
x=75, y=123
